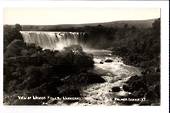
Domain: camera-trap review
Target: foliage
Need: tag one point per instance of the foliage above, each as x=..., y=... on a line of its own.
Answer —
x=47, y=73
x=11, y=33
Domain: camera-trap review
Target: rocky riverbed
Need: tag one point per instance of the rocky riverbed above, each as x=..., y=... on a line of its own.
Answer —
x=115, y=73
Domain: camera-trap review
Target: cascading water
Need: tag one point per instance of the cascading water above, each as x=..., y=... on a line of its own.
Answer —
x=115, y=72
x=51, y=40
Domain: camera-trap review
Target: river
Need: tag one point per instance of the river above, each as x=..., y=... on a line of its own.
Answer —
x=114, y=72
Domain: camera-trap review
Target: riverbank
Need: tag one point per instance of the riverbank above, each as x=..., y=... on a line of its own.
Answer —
x=143, y=52
x=31, y=72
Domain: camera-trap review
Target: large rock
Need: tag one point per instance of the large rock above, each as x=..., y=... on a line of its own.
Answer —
x=116, y=89
x=108, y=60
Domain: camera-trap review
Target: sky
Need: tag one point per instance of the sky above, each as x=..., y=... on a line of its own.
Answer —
x=54, y=16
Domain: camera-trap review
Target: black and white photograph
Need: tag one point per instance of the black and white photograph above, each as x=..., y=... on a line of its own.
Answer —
x=81, y=56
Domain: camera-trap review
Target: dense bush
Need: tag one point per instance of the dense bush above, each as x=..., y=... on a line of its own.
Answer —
x=140, y=46
x=10, y=33
x=142, y=49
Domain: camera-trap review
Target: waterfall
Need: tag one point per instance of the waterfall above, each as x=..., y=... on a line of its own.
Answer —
x=50, y=40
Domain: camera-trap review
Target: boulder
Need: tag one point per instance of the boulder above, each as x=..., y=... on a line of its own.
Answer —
x=101, y=62
x=115, y=89
x=108, y=60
